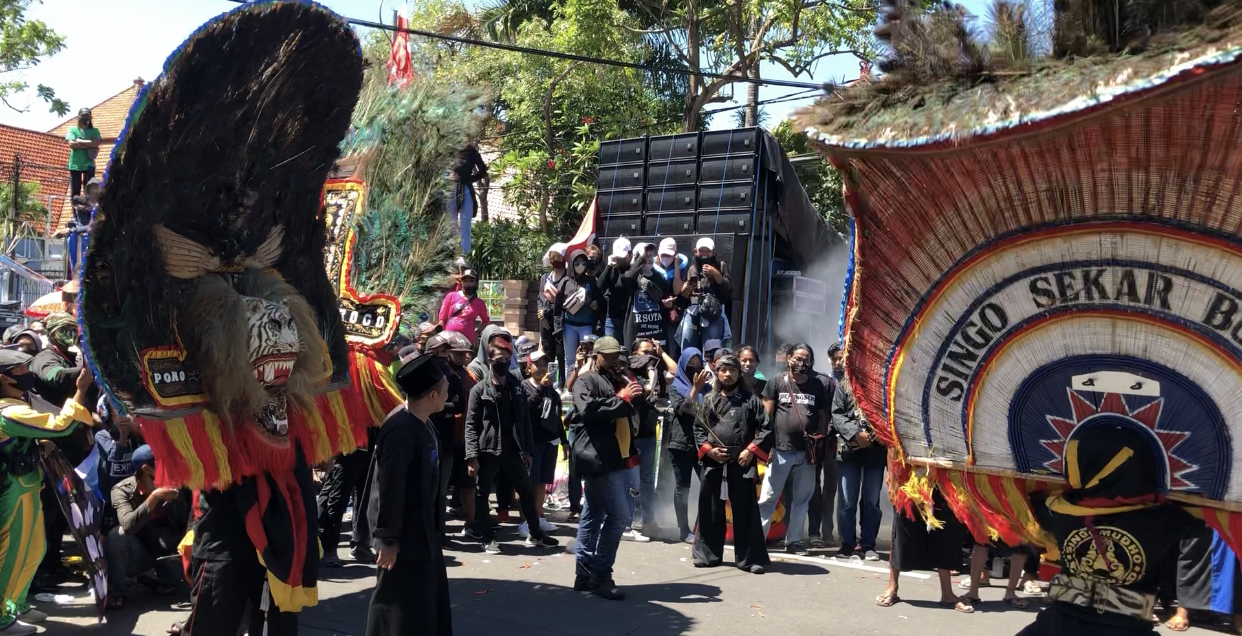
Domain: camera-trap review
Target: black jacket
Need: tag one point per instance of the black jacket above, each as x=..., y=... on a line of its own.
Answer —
x=681, y=424
x=618, y=295
x=848, y=422
x=738, y=422
x=597, y=408
x=491, y=410
x=445, y=422
x=544, y=405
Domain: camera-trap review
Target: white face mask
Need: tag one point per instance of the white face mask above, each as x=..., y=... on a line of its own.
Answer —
x=666, y=260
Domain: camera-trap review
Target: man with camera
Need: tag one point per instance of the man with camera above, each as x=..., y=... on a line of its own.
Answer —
x=709, y=288
x=606, y=404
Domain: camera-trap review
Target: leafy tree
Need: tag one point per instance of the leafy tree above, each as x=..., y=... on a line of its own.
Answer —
x=23, y=44
x=821, y=181
x=31, y=212
x=733, y=37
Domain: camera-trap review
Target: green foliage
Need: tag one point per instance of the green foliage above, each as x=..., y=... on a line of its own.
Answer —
x=821, y=181
x=31, y=209
x=504, y=250
x=23, y=44
x=405, y=140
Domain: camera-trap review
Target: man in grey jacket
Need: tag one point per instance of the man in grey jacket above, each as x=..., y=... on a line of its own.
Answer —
x=861, y=461
x=152, y=522
x=498, y=439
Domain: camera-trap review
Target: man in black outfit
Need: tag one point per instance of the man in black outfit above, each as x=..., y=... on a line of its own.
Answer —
x=411, y=588
x=445, y=421
x=731, y=432
x=498, y=439
x=347, y=478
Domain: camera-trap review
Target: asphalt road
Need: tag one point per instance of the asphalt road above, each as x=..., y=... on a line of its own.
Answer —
x=527, y=591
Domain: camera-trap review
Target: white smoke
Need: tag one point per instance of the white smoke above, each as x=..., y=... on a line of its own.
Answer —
x=817, y=330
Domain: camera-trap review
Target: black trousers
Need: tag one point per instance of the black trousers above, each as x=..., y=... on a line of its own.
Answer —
x=411, y=599
x=822, y=513
x=1054, y=622
x=685, y=464
x=513, y=466
x=78, y=179
x=348, y=477
x=54, y=526
x=220, y=593
x=749, y=546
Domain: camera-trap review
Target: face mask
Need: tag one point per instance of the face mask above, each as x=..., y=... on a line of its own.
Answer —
x=579, y=268
x=558, y=264
x=799, y=367
x=469, y=290
x=64, y=338
x=24, y=382
x=666, y=260
x=500, y=366
x=693, y=371
x=592, y=263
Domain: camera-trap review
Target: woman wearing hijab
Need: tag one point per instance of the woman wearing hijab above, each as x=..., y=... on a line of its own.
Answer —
x=578, y=301
x=681, y=447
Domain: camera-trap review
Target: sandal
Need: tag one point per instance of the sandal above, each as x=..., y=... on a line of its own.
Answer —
x=1017, y=603
x=963, y=605
x=1033, y=588
x=1180, y=626
x=887, y=600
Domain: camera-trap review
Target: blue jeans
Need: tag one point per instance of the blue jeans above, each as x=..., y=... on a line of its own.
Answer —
x=690, y=334
x=787, y=465
x=642, y=483
x=856, y=479
x=604, y=519
x=573, y=335
x=611, y=328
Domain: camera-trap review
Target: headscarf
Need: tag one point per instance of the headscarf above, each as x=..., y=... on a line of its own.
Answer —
x=682, y=382
x=62, y=330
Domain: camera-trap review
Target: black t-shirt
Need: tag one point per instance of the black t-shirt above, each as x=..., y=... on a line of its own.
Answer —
x=796, y=410
x=1134, y=544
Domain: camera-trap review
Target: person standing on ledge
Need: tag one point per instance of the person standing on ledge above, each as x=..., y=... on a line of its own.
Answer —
x=411, y=590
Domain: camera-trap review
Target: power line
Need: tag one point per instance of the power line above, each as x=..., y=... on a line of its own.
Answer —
x=572, y=56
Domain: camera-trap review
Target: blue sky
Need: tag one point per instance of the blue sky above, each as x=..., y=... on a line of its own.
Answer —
x=109, y=43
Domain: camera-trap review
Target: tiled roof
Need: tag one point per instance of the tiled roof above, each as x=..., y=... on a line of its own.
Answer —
x=43, y=161
x=109, y=117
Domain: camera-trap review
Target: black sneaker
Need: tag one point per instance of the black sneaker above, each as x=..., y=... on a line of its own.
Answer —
x=542, y=541
x=471, y=532
x=608, y=590
x=796, y=548
x=583, y=584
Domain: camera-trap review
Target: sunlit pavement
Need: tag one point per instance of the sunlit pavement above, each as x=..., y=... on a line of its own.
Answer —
x=528, y=591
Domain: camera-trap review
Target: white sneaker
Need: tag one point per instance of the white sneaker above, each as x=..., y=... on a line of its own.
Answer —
x=638, y=537
x=523, y=530
x=689, y=537
x=492, y=547
x=871, y=555
x=19, y=628
x=32, y=616
x=546, y=526
x=854, y=558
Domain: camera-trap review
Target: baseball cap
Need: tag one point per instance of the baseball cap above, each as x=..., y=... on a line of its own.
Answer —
x=711, y=346
x=458, y=341
x=607, y=344
x=668, y=247
x=83, y=111
x=705, y=242
x=537, y=355
x=621, y=247
x=142, y=457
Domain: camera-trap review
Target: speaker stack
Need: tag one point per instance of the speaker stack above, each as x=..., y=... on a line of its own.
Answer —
x=689, y=186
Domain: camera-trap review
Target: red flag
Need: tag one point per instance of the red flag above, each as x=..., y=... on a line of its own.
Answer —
x=400, y=66
x=585, y=235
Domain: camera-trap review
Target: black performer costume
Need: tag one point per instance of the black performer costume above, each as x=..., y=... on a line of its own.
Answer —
x=737, y=422
x=1112, y=533
x=405, y=510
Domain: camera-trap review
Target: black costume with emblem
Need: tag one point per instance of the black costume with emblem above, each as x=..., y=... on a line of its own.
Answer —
x=404, y=510
x=736, y=422
x=1112, y=533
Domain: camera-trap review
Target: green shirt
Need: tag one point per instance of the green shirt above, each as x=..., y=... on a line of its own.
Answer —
x=83, y=158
